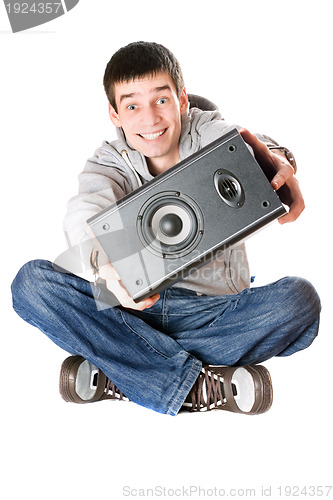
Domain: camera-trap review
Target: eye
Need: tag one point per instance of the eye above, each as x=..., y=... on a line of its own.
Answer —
x=131, y=107
x=162, y=100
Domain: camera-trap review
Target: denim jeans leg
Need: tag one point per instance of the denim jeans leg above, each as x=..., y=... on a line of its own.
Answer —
x=149, y=367
x=278, y=319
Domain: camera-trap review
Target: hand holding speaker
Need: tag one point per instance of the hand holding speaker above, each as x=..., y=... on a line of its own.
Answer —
x=115, y=286
x=281, y=174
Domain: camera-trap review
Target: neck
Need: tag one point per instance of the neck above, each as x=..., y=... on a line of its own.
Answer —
x=157, y=166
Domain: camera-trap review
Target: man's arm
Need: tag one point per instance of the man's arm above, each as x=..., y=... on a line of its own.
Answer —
x=103, y=268
x=280, y=173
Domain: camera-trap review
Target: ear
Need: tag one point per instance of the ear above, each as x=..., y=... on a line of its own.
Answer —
x=114, y=116
x=183, y=102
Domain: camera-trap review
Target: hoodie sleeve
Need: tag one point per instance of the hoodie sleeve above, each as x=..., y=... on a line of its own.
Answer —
x=102, y=183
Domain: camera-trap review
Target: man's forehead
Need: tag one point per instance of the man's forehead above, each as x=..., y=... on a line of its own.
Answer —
x=145, y=84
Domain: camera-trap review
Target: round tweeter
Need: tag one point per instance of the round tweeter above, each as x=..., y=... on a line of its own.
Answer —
x=170, y=224
x=229, y=188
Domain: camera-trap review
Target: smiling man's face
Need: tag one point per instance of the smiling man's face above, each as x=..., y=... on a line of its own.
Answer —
x=149, y=111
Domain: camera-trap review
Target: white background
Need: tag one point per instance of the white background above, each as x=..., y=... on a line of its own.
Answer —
x=268, y=66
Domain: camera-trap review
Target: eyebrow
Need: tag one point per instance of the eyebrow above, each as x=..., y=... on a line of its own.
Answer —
x=156, y=90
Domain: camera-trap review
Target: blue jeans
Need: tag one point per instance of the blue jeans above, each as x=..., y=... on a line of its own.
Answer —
x=154, y=356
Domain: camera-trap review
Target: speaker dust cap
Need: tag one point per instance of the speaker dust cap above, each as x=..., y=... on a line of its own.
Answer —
x=170, y=224
x=229, y=188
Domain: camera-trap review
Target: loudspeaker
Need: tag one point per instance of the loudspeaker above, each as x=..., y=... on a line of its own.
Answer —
x=178, y=221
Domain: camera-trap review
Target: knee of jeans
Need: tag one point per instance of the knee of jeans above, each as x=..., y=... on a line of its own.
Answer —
x=28, y=283
x=304, y=297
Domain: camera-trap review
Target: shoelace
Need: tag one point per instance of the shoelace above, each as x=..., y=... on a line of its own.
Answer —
x=112, y=392
x=214, y=391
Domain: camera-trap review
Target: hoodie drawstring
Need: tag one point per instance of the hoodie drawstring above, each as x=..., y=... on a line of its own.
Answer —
x=124, y=154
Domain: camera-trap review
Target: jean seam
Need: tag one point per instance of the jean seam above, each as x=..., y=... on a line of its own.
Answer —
x=231, y=307
x=190, y=314
x=187, y=385
x=217, y=318
x=164, y=311
x=164, y=303
x=142, y=338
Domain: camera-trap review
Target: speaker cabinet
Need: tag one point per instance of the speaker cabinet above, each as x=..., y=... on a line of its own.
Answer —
x=177, y=222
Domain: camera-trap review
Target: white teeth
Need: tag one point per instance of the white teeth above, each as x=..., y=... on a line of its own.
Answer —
x=151, y=137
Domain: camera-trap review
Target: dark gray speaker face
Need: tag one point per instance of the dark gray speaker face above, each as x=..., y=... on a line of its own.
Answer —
x=178, y=222
x=170, y=224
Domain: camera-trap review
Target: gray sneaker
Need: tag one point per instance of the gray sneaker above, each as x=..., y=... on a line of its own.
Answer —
x=82, y=382
x=243, y=389
x=246, y=390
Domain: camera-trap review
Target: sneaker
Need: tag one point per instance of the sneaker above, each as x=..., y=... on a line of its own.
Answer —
x=245, y=389
x=82, y=382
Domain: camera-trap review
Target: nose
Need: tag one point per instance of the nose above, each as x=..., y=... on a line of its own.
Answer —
x=150, y=117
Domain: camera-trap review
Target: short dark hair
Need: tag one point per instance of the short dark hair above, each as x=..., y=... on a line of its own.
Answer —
x=137, y=60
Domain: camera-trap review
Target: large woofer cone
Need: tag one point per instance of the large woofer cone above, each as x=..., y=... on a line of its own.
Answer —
x=170, y=224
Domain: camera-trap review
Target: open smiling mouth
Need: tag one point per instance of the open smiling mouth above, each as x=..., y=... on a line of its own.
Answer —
x=151, y=137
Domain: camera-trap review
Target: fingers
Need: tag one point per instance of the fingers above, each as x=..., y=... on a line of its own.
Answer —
x=289, y=190
x=290, y=194
x=284, y=170
x=140, y=306
x=251, y=139
x=118, y=289
x=295, y=211
x=281, y=178
x=147, y=303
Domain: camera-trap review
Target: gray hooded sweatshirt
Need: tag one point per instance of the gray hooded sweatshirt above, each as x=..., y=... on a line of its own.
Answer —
x=116, y=170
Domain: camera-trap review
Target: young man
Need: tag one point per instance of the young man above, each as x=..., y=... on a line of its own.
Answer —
x=196, y=345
